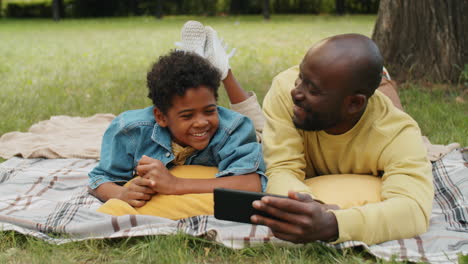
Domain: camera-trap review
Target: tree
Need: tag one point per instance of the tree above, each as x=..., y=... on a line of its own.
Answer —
x=159, y=7
x=266, y=9
x=57, y=9
x=423, y=39
x=340, y=7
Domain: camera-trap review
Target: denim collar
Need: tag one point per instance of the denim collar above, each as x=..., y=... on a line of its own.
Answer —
x=162, y=136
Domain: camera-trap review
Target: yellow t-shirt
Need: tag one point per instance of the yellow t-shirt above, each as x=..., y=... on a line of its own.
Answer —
x=385, y=143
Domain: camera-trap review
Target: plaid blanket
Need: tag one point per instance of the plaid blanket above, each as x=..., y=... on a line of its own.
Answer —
x=48, y=199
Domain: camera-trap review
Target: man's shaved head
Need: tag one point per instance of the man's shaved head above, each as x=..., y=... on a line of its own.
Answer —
x=353, y=57
x=336, y=78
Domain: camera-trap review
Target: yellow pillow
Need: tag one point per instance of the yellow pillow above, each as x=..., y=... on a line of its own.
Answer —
x=346, y=190
x=171, y=206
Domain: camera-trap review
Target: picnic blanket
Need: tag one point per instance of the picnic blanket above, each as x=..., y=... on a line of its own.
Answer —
x=59, y=137
x=48, y=199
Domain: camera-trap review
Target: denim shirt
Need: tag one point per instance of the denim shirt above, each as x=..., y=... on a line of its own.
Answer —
x=233, y=149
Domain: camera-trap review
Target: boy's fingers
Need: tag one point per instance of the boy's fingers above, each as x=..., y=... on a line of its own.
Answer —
x=143, y=182
x=143, y=169
x=144, y=160
x=133, y=195
x=142, y=189
x=147, y=160
x=136, y=203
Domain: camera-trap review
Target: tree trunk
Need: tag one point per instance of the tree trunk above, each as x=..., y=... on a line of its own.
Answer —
x=57, y=7
x=340, y=7
x=266, y=9
x=423, y=39
x=159, y=9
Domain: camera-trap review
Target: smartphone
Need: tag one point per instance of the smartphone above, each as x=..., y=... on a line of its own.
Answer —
x=236, y=205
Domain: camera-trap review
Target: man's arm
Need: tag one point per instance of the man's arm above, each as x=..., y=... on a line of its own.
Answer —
x=283, y=145
x=407, y=193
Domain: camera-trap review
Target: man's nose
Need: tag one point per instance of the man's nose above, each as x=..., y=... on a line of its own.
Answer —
x=297, y=94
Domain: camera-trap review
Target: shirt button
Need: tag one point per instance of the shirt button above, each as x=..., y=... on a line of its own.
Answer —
x=168, y=154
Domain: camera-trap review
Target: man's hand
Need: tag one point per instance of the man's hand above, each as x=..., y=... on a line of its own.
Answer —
x=302, y=219
x=163, y=181
x=138, y=192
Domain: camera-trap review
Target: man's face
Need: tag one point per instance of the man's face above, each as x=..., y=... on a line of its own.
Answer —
x=192, y=118
x=318, y=98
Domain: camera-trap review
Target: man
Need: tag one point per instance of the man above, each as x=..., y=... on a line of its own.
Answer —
x=325, y=117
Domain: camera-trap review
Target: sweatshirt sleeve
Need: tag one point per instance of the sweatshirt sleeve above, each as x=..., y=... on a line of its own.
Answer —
x=407, y=194
x=282, y=143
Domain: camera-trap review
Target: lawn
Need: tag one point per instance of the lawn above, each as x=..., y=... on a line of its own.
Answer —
x=83, y=67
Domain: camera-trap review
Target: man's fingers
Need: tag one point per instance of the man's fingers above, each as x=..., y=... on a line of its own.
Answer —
x=275, y=212
x=287, y=237
x=274, y=225
x=300, y=196
x=291, y=205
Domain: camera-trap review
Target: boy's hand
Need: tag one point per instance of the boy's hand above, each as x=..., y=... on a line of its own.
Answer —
x=137, y=192
x=162, y=180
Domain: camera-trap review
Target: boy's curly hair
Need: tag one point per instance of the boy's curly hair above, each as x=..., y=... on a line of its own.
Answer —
x=175, y=73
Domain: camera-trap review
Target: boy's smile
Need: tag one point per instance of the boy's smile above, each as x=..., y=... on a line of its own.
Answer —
x=191, y=118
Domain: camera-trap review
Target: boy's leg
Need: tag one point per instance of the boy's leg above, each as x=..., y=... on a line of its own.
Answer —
x=388, y=87
x=234, y=91
x=205, y=42
x=241, y=101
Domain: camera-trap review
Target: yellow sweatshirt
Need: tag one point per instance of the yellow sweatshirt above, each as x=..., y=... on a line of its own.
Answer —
x=386, y=143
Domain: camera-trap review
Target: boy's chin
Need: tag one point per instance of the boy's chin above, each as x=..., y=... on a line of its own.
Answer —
x=200, y=145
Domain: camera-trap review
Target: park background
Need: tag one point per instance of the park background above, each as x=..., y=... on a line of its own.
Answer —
x=92, y=57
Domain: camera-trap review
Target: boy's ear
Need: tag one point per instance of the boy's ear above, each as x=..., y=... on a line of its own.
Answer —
x=159, y=117
x=355, y=103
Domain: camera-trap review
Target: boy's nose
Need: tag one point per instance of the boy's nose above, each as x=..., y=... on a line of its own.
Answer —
x=200, y=122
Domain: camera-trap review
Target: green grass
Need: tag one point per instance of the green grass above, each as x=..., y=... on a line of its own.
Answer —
x=83, y=67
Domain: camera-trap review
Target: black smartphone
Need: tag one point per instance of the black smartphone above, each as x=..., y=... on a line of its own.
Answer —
x=236, y=205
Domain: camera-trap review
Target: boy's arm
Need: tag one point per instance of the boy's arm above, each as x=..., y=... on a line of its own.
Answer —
x=116, y=166
x=164, y=182
x=240, y=164
x=136, y=193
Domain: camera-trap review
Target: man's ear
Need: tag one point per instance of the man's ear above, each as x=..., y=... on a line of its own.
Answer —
x=355, y=103
x=160, y=117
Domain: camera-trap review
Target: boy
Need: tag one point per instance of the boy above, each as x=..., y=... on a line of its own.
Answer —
x=185, y=126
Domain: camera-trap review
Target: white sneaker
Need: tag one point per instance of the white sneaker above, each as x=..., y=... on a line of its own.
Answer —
x=216, y=53
x=193, y=37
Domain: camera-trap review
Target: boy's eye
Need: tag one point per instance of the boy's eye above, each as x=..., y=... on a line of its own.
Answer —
x=186, y=116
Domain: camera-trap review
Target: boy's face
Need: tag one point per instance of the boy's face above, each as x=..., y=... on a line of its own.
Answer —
x=192, y=118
